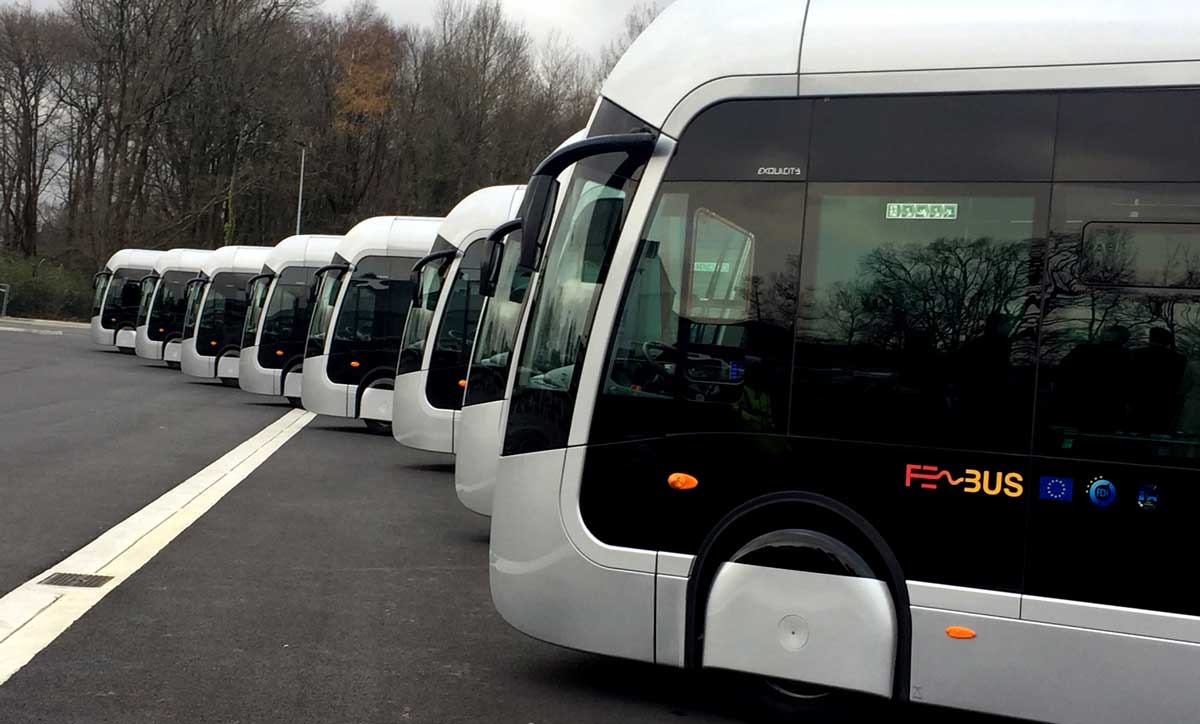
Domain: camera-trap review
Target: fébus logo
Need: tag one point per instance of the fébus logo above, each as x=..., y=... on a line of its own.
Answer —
x=929, y=477
x=780, y=171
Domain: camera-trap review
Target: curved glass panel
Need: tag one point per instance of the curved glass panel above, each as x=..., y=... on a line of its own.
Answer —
x=497, y=335
x=257, y=297
x=121, y=298
x=167, y=307
x=224, y=315
x=329, y=285
x=370, y=320
x=285, y=320
x=420, y=317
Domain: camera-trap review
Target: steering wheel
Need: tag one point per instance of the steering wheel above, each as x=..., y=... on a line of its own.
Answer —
x=655, y=360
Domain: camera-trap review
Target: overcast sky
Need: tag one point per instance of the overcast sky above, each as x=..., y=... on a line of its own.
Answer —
x=591, y=23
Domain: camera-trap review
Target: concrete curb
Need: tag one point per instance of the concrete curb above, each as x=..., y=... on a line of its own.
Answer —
x=46, y=322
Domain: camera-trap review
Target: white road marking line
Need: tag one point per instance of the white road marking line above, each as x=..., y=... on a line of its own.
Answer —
x=44, y=332
x=33, y=615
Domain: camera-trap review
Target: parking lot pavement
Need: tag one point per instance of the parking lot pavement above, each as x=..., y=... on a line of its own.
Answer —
x=89, y=436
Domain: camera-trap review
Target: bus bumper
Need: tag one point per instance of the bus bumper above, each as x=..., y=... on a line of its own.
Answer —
x=320, y=394
x=416, y=423
x=100, y=335
x=253, y=377
x=543, y=586
x=126, y=339
x=193, y=364
x=477, y=450
x=145, y=347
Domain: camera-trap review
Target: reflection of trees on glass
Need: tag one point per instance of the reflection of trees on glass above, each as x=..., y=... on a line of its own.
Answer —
x=939, y=294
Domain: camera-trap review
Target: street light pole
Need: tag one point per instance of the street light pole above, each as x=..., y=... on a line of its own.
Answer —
x=300, y=198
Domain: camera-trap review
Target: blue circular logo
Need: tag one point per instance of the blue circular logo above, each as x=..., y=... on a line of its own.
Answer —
x=1102, y=492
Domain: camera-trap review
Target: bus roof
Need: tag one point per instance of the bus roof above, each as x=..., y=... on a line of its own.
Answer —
x=133, y=258
x=304, y=249
x=389, y=236
x=181, y=260
x=479, y=213
x=236, y=259
x=699, y=52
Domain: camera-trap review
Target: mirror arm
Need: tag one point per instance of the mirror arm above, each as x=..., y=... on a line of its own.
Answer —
x=415, y=276
x=493, y=254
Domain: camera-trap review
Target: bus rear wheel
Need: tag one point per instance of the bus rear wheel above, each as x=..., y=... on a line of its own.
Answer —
x=379, y=427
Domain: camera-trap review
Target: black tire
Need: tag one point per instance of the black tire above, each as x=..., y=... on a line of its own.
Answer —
x=125, y=350
x=379, y=427
x=173, y=365
x=229, y=382
x=295, y=402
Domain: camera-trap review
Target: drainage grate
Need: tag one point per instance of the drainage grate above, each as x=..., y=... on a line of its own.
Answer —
x=75, y=580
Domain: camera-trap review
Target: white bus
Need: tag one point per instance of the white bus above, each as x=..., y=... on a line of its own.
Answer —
x=358, y=316
x=435, y=349
x=877, y=375
x=116, y=296
x=163, y=306
x=216, y=313
x=272, y=360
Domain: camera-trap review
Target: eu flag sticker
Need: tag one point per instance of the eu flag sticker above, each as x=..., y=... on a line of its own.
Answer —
x=1056, y=488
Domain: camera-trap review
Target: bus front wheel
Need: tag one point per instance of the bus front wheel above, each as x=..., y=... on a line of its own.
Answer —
x=295, y=402
x=173, y=365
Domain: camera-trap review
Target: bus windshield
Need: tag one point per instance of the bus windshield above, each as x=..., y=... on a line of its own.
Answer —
x=257, y=296
x=497, y=333
x=370, y=320
x=167, y=307
x=328, y=287
x=286, y=318
x=224, y=316
x=451, y=352
x=122, y=297
x=148, y=286
x=420, y=317
x=99, y=287
x=191, y=306
x=589, y=223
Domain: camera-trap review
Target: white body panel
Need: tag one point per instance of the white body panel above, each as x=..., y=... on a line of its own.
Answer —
x=253, y=377
x=126, y=338
x=477, y=445
x=544, y=587
x=293, y=384
x=406, y=236
x=1052, y=673
x=376, y=404
x=831, y=630
x=100, y=335
x=145, y=347
x=416, y=423
x=322, y=396
x=194, y=364
x=173, y=351
x=227, y=366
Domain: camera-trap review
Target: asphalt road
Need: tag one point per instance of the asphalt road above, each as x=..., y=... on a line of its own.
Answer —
x=341, y=582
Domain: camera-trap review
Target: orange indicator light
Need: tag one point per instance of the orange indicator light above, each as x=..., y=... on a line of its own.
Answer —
x=278, y=353
x=462, y=384
x=356, y=364
x=961, y=633
x=682, y=481
x=212, y=343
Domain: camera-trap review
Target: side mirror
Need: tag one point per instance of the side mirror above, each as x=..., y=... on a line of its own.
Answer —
x=493, y=255
x=415, y=276
x=537, y=211
x=541, y=195
x=251, y=281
